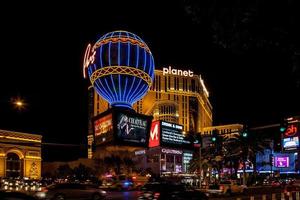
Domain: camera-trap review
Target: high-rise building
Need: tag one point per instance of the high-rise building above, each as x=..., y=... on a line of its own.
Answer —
x=177, y=96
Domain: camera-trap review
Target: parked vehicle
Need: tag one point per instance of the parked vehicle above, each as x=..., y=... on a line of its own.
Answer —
x=66, y=191
x=170, y=191
x=231, y=186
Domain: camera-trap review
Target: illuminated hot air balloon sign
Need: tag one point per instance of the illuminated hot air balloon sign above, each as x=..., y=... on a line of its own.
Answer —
x=120, y=66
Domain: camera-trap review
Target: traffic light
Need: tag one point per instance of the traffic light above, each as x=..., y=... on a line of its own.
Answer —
x=283, y=126
x=214, y=136
x=245, y=132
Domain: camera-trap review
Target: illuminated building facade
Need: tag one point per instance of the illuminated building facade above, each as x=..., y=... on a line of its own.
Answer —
x=177, y=96
x=225, y=130
x=20, y=154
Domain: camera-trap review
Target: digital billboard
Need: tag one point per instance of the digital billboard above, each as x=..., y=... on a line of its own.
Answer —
x=171, y=135
x=103, y=129
x=290, y=143
x=281, y=161
x=132, y=129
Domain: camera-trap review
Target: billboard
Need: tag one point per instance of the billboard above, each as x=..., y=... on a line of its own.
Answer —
x=103, y=125
x=290, y=138
x=132, y=129
x=154, y=137
x=121, y=127
x=290, y=143
x=103, y=129
x=171, y=135
x=281, y=161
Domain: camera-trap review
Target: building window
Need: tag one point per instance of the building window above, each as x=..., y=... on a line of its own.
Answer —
x=13, y=165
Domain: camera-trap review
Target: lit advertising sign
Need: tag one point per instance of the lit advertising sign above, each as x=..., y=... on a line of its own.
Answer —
x=177, y=72
x=103, y=125
x=171, y=134
x=291, y=143
x=154, y=134
x=281, y=161
x=291, y=130
x=132, y=128
x=103, y=129
x=171, y=151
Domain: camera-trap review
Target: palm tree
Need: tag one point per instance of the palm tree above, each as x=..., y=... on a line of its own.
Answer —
x=245, y=147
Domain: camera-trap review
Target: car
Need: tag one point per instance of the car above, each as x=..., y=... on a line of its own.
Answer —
x=64, y=191
x=167, y=190
x=231, y=186
x=118, y=183
x=9, y=195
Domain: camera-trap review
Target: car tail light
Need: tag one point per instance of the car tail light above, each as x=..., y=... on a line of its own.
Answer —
x=221, y=187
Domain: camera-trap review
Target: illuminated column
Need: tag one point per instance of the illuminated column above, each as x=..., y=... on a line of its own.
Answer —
x=2, y=163
x=32, y=167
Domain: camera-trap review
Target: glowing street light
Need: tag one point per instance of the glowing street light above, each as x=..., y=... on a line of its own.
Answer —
x=18, y=103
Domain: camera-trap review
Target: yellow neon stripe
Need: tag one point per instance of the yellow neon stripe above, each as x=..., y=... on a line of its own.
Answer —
x=115, y=39
x=131, y=71
x=17, y=138
x=33, y=157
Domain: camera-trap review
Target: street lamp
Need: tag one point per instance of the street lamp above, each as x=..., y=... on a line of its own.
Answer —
x=19, y=103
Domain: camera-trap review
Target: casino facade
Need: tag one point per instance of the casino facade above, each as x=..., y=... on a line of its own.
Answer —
x=177, y=96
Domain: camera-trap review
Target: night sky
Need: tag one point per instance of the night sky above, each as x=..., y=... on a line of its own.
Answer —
x=247, y=52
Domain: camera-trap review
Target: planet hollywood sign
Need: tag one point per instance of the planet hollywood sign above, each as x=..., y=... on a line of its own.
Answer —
x=177, y=72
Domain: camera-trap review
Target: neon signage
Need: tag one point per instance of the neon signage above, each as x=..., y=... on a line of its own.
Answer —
x=177, y=72
x=89, y=58
x=171, y=151
x=291, y=131
x=103, y=125
x=154, y=134
x=282, y=161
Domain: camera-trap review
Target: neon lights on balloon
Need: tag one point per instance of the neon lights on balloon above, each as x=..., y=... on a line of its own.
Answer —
x=122, y=70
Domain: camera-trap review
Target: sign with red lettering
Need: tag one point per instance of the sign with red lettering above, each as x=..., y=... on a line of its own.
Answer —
x=103, y=125
x=154, y=134
x=291, y=130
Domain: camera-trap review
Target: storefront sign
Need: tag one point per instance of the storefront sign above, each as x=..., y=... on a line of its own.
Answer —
x=282, y=161
x=171, y=151
x=140, y=152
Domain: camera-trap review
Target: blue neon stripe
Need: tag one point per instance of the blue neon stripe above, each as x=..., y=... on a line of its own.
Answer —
x=105, y=92
x=119, y=48
x=112, y=94
x=134, y=91
x=101, y=64
x=130, y=93
x=126, y=78
x=101, y=92
x=109, y=64
x=113, y=83
x=143, y=90
x=119, y=60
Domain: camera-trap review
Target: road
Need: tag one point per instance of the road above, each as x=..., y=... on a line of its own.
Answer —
x=131, y=195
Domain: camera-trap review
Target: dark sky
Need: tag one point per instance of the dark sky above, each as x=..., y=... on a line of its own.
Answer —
x=248, y=53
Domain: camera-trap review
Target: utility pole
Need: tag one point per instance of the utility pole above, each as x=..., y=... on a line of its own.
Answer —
x=200, y=166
